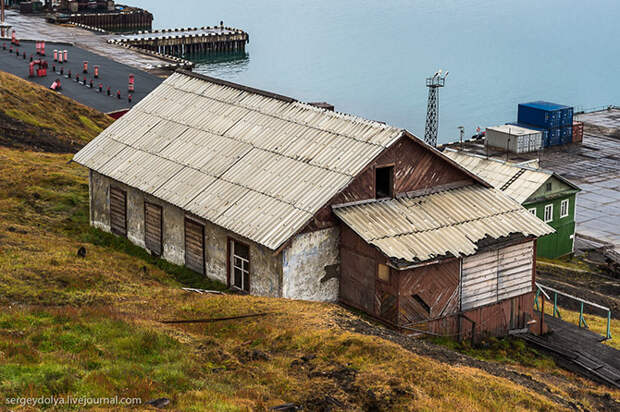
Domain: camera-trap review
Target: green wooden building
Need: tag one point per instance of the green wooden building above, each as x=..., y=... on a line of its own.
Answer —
x=542, y=192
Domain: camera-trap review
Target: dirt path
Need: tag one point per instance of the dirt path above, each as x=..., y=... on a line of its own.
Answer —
x=442, y=354
x=589, y=286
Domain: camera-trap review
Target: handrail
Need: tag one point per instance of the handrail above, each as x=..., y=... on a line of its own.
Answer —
x=582, y=321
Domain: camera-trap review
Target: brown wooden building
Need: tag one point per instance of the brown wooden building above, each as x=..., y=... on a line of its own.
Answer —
x=280, y=198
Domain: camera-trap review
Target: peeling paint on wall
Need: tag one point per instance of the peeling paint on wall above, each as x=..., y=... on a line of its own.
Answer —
x=265, y=271
x=308, y=266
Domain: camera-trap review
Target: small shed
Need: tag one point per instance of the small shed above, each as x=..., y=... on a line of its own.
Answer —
x=544, y=193
x=280, y=198
x=514, y=138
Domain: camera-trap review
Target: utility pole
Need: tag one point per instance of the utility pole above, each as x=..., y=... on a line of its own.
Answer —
x=461, y=133
x=432, y=110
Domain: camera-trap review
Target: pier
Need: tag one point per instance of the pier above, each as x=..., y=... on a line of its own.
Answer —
x=188, y=41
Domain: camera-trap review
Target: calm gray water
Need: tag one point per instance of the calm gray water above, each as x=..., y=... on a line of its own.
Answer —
x=371, y=57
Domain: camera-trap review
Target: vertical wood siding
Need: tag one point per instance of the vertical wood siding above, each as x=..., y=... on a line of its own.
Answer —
x=153, y=225
x=194, y=246
x=118, y=211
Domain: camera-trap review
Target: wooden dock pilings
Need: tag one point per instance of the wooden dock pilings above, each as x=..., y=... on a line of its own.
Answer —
x=186, y=42
x=116, y=21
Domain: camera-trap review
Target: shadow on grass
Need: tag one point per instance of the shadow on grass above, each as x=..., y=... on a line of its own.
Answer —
x=186, y=277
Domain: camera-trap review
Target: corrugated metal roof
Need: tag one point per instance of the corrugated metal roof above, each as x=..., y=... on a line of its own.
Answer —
x=253, y=162
x=499, y=173
x=450, y=222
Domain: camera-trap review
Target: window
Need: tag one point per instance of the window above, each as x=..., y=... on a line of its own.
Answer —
x=384, y=182
x=564, y=208
x=548, y=213
x=153, y=228
x=548, y=187
x=118, y=211
x=239, y=265
x=532, y=211
x=383, y=272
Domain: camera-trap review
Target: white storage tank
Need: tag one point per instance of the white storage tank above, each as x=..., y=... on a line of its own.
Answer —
x=516, y=139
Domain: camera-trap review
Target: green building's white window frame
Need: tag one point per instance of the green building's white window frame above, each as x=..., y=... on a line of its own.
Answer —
x=548, y=216
x=564, y=208
x=532, y=211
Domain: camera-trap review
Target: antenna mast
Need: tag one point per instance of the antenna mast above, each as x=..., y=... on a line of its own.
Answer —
x=432, y=110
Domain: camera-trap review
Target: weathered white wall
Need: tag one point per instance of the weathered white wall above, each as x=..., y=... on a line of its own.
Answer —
x=307, y=264
x=265, y=268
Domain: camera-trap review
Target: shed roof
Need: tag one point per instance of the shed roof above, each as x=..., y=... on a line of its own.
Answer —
x=517, y=181
x=513, y=130
x=444, y=223
x=256, y=163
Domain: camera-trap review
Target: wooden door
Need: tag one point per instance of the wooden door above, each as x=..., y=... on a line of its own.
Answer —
x=118, y=211
x=194, y=245
x=153, y=228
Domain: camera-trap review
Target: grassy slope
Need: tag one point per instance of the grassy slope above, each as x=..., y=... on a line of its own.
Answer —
x=90, y=326
x=27, y=109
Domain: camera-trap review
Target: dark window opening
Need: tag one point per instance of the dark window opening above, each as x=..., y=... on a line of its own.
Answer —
x=384, y=182
x=548, y=187
x=418, y=299
x=240, y=265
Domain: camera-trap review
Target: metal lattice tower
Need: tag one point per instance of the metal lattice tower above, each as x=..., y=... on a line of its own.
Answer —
x=432, y=109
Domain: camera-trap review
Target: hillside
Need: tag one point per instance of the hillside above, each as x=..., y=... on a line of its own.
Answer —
x=91, y=326
x=35, y=118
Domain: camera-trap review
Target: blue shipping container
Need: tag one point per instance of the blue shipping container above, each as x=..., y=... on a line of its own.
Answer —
x=566, y=134
x=545, y=132
x=566, y=117
x=544, y=114
x=555, y=137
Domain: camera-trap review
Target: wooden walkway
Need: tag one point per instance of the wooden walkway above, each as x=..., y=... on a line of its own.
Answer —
x=579, y=350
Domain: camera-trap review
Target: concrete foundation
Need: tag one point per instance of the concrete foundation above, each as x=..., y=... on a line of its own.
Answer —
x=310, y=266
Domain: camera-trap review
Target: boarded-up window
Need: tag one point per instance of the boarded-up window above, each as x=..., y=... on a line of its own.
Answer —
x=240, y=265
x=194, y=246
x=383, y=272
x=153, y=228
x=118, y=211
x=515, y=270
x=493, y=276
x=479, y=281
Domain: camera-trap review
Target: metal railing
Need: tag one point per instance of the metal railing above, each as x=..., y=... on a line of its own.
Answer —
x=541, y=290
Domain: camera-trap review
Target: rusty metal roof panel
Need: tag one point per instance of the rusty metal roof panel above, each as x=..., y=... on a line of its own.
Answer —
x=449, y=222
x=216, y=146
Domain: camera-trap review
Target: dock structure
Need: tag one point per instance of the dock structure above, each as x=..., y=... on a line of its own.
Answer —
x=187, y=41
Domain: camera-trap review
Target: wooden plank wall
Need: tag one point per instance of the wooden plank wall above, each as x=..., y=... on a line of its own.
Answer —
x=359, y=286
x=194, y=246
x=118, y=211
x=415, y=168
x=436, y=285
x=153, y=228
x=491, y=320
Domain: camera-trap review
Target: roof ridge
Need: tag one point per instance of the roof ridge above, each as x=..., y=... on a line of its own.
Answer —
x=287, y=99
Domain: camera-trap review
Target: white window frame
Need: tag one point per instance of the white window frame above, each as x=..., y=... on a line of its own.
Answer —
x=240, y=263
x=550, y=208
x=532, y=211
x=563, y=204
